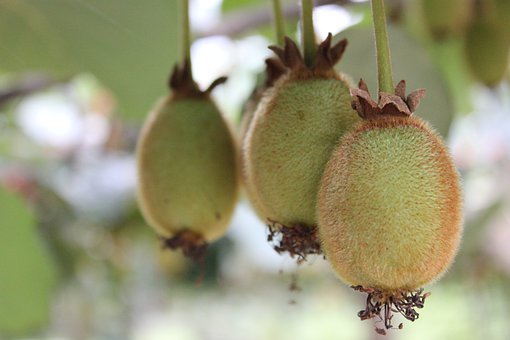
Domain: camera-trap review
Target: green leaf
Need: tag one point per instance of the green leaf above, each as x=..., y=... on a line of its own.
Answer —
x=130, y=45
x=27, y=275
x=410, y=62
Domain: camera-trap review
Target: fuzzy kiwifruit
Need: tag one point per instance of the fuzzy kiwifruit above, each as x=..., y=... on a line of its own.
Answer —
x=389, y=204
x=187, y=167
x=292, y=133
x=274, y=70
x=447, y=18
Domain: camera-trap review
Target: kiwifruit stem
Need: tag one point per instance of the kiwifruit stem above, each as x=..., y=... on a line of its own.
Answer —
x=279, y=23
x=307, y=32
x=385, y=78
x=185, y=33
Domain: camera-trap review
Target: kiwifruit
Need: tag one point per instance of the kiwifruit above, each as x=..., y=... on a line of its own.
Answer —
x=447, y=18
x=187, y=167
x=274, y=70
x=292, y=133
x=389, y=205
x=502, y=9
x=487, y=48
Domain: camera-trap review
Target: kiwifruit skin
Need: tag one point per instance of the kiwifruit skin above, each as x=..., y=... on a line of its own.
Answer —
x=447, y=18
x=249, y=188
x=292, y=133
x=487, y=51
x=187, y=168
x=389, y=205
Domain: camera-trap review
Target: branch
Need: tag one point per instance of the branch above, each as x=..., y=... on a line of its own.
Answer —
x=26, y=86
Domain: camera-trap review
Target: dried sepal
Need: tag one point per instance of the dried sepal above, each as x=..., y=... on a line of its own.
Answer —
x=396, y=104
x=274, y=70
x=326, y=58
x=192, y=244
x=289, y=55
x=183, y=86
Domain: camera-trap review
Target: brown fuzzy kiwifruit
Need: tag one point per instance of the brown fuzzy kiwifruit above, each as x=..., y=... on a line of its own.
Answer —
x=389, y=206
x=293, y=131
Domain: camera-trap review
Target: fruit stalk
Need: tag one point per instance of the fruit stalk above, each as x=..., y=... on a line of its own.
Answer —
x=279, y=24
x=185, y=32
x=307, y=32
x=384, y=74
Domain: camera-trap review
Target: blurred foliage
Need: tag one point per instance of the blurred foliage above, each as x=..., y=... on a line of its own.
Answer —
x=27, y=274
x=229, y=5
x=129, y=45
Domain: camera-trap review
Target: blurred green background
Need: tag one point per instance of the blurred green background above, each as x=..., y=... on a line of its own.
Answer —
x=77, y=261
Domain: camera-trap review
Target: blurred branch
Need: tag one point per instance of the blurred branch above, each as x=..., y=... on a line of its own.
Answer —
x=27, y=85
x=243, y=20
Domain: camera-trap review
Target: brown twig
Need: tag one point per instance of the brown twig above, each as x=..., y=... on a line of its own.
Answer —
x=28, y=85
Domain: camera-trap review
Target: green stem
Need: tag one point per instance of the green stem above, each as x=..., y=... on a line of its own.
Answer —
x=382, y=47
x=185, y=32
x=279, y=23
x=307, y=32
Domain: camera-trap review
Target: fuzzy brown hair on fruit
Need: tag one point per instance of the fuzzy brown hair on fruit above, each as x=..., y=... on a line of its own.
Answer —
x=294, y=129
x=274, y=70
x=389, y=205
x=187, y=167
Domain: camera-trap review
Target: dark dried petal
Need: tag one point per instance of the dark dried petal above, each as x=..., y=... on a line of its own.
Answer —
x=280, y=52
x=181, y=81
x=414, y=98
x=393, y=105
x=292, y=57
x=363, y=86
x=215, y=83
x=322, y=58
x=337, y=51
x=388, y=104
x=191, y=244
x=274, y=70
x=364, y=104
x=400, y=89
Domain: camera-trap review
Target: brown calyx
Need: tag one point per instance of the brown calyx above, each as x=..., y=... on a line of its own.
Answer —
x=297, y=240
x=191, y=243
x=325, y=59
x=274, y=70
x=396, y=104
x=383, y=304
x=183, y=86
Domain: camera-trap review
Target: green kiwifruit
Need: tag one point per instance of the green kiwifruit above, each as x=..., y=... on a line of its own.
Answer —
x=487, y=49
x=447, y=18
x=389, y=204
x=187, y=166
x=274, y=70
x=294, y=129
